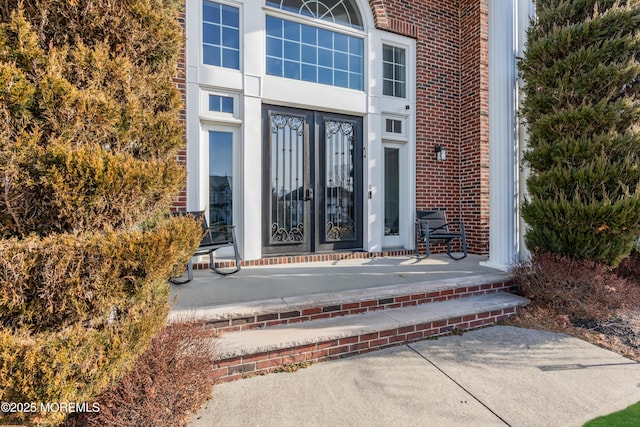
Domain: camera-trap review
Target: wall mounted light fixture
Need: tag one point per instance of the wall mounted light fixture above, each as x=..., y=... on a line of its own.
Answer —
x=441, y=153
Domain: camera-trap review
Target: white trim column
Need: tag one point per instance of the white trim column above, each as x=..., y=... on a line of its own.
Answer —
x=503, y=160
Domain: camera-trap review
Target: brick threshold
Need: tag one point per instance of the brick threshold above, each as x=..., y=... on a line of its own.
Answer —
x=317, y=257
x=239, y=367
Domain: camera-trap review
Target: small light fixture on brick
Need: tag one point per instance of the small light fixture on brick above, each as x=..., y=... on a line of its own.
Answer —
x=441, y=153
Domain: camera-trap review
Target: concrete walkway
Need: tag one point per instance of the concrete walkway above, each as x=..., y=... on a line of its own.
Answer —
x=489, y=377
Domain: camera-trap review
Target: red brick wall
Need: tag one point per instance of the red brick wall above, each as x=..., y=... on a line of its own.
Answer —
x=180, y=80
x=452, y=105
x=474, y=122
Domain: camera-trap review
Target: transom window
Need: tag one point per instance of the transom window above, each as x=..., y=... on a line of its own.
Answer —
x=221, y=104
x=344, y=12
x=302, y=52
x=220, y=35
x=394, y=62
x=393, y=126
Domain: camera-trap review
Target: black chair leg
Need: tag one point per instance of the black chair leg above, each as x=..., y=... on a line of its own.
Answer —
x=426, y=241
x=464, y=239
x=464, y=249
x=177, y=281
x=212, y=264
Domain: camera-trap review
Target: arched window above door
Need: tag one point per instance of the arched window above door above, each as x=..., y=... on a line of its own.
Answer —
x=343, y=12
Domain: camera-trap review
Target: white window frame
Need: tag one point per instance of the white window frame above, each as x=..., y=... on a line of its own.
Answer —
x=407, y=54
x=201, y=35
x=205, y=128
x=317, y=18
x=400, y=137
x=208, y=115
x=311, y=89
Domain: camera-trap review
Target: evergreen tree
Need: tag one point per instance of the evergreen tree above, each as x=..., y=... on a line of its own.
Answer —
x=89, y=132
x=582, y=109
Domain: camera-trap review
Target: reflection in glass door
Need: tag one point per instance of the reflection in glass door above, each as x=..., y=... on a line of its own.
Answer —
x=391, y=191
x=339, y=203
x=220, y=178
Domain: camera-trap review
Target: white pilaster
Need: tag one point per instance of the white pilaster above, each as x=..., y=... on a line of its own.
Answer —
x=503, y=239
x=251, y=220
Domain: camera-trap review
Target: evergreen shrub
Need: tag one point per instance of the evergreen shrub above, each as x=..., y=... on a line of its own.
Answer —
x=582, y=108
x=89, y=132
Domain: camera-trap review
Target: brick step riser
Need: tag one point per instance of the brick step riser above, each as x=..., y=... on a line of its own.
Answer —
x=315, y=313
x=235, y=368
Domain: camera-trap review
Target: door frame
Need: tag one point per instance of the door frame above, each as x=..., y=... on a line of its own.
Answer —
x=321, y=242
x=314, y=176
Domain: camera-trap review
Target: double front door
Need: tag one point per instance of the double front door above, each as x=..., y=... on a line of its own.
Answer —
x=312, y=179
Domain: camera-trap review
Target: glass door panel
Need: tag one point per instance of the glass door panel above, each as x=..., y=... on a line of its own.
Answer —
x=287, y=176
x=338, y=182
x=391, y=191
x=220, y=178
x=339, y=196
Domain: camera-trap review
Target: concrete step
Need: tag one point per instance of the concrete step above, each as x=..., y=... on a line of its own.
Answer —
x=265, y=350
x=297, y=309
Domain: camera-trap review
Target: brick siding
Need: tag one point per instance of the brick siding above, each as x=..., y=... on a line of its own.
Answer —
x=474, y=123
x=180, y=204
x=452, y=106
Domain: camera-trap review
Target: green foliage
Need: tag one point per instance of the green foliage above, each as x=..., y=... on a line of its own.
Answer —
x=77, y=310
x=90, y=126
x=55, y=282
x=74, y=364
x=582, y=84
x=592, y=230
x=625, y=418
x=89, y=132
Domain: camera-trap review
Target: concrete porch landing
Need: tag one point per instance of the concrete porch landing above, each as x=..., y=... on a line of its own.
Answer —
x=295, y=283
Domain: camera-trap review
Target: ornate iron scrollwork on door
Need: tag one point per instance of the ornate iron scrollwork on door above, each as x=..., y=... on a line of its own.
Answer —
x=339, y=181
x=287, y=179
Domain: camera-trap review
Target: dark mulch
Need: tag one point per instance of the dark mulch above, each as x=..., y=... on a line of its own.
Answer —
x=614, y=327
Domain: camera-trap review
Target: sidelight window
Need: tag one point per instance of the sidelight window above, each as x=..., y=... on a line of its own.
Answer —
x=220, y=178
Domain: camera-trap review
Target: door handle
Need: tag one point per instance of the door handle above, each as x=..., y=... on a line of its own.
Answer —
x=308, y=194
